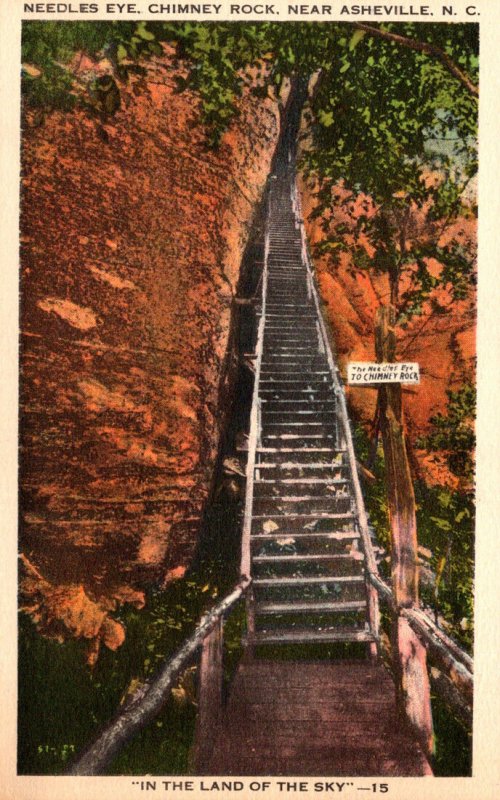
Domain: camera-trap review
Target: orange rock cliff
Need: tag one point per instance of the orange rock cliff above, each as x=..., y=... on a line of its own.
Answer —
x=131, y=249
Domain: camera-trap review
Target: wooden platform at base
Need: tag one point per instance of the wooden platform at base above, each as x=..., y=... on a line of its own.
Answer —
x=317, y=718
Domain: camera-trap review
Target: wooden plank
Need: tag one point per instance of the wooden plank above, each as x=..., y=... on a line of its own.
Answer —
x=310, y=635
x=310, y=607
x=302, y=481
x=333, y=535
x=309, y=557
x=309, y=581
x=326, y=723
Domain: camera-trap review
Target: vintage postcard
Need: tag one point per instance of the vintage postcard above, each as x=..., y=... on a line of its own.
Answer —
x=249, y=399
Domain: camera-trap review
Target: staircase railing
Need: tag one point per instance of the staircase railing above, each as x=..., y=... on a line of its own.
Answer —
x=451, y=672
x=254, y=435
x=207, y=640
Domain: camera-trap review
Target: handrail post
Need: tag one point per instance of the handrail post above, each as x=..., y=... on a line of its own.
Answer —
x=409, y=654
x=208, y=718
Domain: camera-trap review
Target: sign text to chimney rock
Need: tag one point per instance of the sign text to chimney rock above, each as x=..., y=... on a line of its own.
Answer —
x=361, y=373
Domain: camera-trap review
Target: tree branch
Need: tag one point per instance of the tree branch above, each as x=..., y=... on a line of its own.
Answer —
x=424, y=47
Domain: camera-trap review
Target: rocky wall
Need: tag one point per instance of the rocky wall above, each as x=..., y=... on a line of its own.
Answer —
x=132, y=234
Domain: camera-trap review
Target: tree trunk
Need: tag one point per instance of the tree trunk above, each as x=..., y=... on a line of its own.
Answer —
x=409, y=654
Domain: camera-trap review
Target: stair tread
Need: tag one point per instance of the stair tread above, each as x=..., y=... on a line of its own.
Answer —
x=308, y=481
x=307, y=450
x=313, y=606
x=293, y=581
x=332, y=535
x=283, y=436
x=309, y=557
x=314, y=515
x=308, y=635
x=300, y=465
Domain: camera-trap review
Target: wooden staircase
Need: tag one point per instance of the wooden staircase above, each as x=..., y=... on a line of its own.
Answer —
x=307, y=548
x=302, y=540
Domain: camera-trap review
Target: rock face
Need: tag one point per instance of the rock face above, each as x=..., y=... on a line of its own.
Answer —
x=443, y=344
x=131, y=248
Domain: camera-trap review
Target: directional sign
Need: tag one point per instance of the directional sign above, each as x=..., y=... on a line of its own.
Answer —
x=367, y=373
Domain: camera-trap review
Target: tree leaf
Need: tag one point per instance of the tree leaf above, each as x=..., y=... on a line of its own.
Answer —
x=356, y=38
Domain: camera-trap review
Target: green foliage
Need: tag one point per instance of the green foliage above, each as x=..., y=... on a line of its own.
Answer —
x=375, y=103
x=453, y=744
x=445, y=522
x=54, y=681
x=453, y=432
x=220, y=56
x=446, y=518
x=382, y=115
x=51, y=89
x=50, y=47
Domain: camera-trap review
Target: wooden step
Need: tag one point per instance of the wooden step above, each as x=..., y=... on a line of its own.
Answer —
x=304, y=440
x=279, y=406
x=287, y=360
x=280, y=468
x=319, y=391
x=301, y=481
x=303, y=518
x=295, y=559
x=292, y=430
x=338, y=536
x=312, y=438
x=324, y=488
x=295, y=384
x=294, y=471
x=303, y=451
x=308, y=581
x=311, y=607
x=295, y=636
x=306, y=349
x=297, y=505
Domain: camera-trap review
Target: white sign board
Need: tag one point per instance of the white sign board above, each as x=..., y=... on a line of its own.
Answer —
x=362, y=373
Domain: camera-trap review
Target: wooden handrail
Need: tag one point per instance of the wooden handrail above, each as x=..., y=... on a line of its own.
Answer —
x=150, y=699
x=425, y=627
x=456, y=683
x=255, y=421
